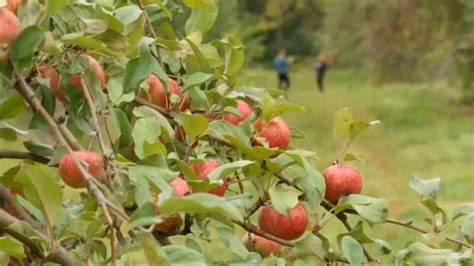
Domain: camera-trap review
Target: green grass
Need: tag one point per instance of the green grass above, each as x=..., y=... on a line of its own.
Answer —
x=423, y=132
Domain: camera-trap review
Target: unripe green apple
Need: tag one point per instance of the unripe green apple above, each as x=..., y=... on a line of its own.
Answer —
x=341, y=180
x=287, y=227
x=69, y=170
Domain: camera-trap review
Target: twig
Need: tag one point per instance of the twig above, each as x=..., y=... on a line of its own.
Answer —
x=21, y=213
x=58, y=255
x=160, y=109
x=421, y=230
x=150, y=29
x=71, y=140
x=95, y=120
x=343, y=218
x=255, y=230
x=259, y=203
x=27, y=92
x=23, y=155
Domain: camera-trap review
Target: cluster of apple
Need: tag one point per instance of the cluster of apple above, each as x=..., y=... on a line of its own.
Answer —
x=9, y=27
x=340, y=179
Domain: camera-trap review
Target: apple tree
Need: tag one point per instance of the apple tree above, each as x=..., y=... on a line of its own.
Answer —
x=136, y=144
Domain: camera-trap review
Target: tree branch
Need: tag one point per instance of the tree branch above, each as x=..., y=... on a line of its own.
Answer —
x=160, y=109
x=411, y=226
x=255, y=230
x=7, y=198
x=58, y=255
x=259, y=203
x=23, y=155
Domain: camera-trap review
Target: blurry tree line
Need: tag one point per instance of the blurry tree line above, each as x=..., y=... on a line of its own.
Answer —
x=408, y=40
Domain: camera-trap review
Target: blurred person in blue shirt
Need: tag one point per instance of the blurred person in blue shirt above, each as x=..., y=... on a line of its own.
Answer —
x=282, y=66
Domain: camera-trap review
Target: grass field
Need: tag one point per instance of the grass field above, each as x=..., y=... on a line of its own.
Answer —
x=423, y=132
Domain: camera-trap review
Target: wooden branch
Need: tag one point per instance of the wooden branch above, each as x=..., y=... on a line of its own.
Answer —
x=160, y=109
x=21, y=213
x=259, y=203
x=23, y=155
x=71, y=140
x=255, y=230
x=58, y=255
x=424, y=231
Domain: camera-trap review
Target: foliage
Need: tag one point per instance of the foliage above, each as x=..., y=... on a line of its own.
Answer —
x=118, y=217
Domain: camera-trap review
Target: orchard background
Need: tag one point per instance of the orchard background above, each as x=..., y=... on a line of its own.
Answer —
x=150, y=132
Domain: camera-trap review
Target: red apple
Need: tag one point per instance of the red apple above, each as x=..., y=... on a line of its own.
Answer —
x=174, y=221
x=75, y=79
x=9, y=30
x=285, y=227
x=261, y=245
x=204, y=169
x=244, y=109
x=276, y=133
x=341, y=180
x=49, y=73
x=70, y=173
x=13, y=5
x=180, y=187
x=159, y=96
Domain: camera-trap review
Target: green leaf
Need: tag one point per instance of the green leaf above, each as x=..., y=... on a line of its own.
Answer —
x=155, y=254
x=196, y=79
x=116, y=95
x=425, y=188
x=200, y=3
x=373, y=210
x=143, y=171
x=200, y=203
x=234, y=56
x=194, y=125
x=145, y=111
x=467, y=226
x=271, y=109
x=41, y=190
x=24, y=47
x=384, y=246
x=230, y=240
x=187, y=171
x=199, y=57
x=39, y=148
x=311, y=181
x=283, y=198
x=181, y=255
x=356, y=127
x=201, y=20
x=228, y=168
x=352, y=250
x=463, y=209
x=145, y=133
x=123, y=124
x=35, y=212
x=420, y=254
x=310, y=245
x=342, y=120
x=144, y=215
x=136, y=71
x=56, y=5
x=9, y=132
x=128, y=14
x=91, y=43
x=12, y=107
x=223, y=129
x=258, y=153
x=12, y=247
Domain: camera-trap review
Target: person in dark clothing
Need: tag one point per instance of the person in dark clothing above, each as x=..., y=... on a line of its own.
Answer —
x=321, y=68
x=282, y=66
